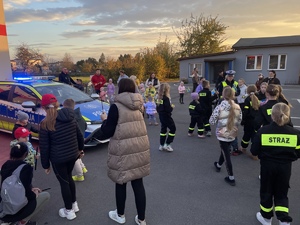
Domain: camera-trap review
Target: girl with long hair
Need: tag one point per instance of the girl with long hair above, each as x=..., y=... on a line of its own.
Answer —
x=227, y=115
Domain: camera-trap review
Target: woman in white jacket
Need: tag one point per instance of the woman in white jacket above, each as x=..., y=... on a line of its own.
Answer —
x=227, y=115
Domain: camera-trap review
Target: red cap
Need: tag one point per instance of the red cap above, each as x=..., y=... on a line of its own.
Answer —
x=47, y=99
x=21, y=132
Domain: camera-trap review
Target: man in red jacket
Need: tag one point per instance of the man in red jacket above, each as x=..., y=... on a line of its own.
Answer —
x=98, y=81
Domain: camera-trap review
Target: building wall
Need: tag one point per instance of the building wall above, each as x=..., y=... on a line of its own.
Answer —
x=290, y=75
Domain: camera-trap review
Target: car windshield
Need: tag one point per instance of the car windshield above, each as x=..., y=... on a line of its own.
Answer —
x=63, y=92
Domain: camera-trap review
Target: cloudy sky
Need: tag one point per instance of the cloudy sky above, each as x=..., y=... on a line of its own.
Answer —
x=86, y=28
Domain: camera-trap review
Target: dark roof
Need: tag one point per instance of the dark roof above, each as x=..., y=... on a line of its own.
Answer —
x=206, y=55
x=263, y=42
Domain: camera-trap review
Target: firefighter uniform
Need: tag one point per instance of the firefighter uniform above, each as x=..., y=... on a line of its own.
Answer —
x=249, y=114
x=164, y=110
x=196, y=113
x=277, y=147
x=264, y=114
x=206, y=100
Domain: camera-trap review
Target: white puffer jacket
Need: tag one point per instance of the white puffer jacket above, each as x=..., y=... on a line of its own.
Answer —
x=220, y=116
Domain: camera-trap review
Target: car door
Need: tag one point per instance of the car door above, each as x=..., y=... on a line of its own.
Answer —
x=5, y=89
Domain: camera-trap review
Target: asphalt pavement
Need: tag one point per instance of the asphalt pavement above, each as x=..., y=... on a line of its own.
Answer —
x=183, y=187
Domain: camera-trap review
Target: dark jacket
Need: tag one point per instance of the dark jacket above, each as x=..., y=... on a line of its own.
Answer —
x=264, y=114
x=65, y=78
x=261, y=97
x=206, y=99
x=195, y=109
x=63, y=144
x=164, y=107
x=276, y=143
x=270, y=80
x=249, y=114
x=81, y=122
x=219, y=81
x=26, y=175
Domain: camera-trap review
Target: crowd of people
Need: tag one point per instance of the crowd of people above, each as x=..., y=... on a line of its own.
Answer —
x=261, y=109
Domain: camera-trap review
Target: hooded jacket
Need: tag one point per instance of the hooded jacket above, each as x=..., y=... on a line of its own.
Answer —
x=128, y=149
x=63, y=144
x=220, y=116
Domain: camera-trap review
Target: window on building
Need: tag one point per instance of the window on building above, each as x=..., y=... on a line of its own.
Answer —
x=277, y=62
x=254, y=62
x=195, y=65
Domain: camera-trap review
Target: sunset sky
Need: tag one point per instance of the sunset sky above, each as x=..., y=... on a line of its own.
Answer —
x=86, y=28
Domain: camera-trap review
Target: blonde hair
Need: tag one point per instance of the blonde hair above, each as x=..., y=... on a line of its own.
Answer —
x=164, y=89
x=228, y=94
x=241, y=79
x=251, y=89
x=205, y=83
x=281, y=113
x=48, y=123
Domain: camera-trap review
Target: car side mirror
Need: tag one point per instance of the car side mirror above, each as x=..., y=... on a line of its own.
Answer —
x=29, y=104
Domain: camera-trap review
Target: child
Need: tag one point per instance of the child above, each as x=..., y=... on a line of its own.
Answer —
x=79, y=167
x=142, y=90
x=261, y=94
x=196, y=113
x=200, y=87
x=22, y=135
x=164, y=109
x=227, y=115
x=110, y=91
x=181, y=90
x=243, y=93
x=250, y=111
x=206, y=99
x=102, y=94
x=151, y=111
x=23, y=122
x=276, y=155
x=150, y=91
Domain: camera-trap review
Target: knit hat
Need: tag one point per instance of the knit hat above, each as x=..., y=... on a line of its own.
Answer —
x=18, y=150
x=22, y=115
x=47, y=99
x=21, y=132
x=195, y=95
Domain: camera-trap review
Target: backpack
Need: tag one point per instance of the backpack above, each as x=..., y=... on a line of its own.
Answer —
x=12, y=194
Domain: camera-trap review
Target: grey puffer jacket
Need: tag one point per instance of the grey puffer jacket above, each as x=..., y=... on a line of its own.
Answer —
x=129, y=148
x=220, y=116
x=63, y=144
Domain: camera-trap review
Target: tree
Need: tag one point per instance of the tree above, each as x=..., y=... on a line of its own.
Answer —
x=28, y=56
x=200, y=35
x=67, y=62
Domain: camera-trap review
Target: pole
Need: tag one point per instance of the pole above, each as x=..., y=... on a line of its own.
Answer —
x=5, y=67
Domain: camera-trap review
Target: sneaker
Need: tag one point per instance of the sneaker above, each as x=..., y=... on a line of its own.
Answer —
x=168, y=148
x=156, y=124
x=84, y=170
x=231, y=182
x=283, y=223
x=236, y=152
x=75, y=207
x=69, y=214
x=253, y=157
x=263, y=220
x=218, y=169
x=208, y=134
x=150, y=124
x=244, y=150
x=161, y=148
x=138, y=222
x=78, y=178
x=190, y=134
x=114, y=216
x=201, y=136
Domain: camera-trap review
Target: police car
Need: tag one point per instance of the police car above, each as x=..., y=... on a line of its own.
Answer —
x=25, y=94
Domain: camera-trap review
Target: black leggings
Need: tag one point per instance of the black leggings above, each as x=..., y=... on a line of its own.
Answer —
x=225, y=156
x=139, y=194
x=63, y=172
